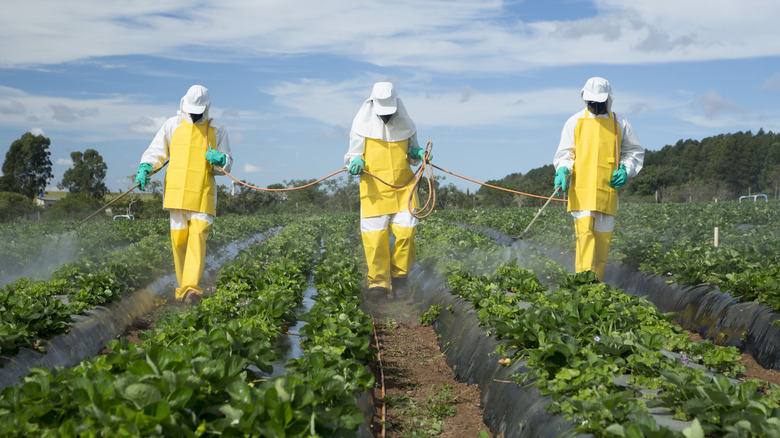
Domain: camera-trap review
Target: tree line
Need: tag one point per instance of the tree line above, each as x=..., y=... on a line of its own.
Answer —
x=718, y=168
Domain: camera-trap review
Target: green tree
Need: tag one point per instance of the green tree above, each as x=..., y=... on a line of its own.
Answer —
x=306, y=200
x=245, y=201
x=344, y=193
x=540, y=182
x=27, y=166
x=87, y=175
x=498, y=198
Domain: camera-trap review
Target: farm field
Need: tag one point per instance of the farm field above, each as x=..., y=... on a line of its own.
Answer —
x=601, y=361
x=673, y=240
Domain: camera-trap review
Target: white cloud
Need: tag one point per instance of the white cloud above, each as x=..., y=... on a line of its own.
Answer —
x=63, y=162
x=712, y=104
x=147, y=125
x=772, y=82
x=68, y=114
x=437, y=35
x=231, y=113
x=103, y=118
x=236, y=138
x=250, y=168
x=464, y=106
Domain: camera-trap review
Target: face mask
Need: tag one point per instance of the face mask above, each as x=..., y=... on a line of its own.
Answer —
x=597, y=107
x=195, y=117
x=386, y=118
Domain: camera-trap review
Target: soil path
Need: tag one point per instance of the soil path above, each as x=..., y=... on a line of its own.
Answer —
x=421, y=395
x=754, y=370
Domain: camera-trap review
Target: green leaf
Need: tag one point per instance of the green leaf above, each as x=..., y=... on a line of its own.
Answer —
x=240, y=391
x=180, y=398
x=231, y=412
x=567, y=374
x=694, y=431
x=142, y=394
x=159, y=411
x=616, y=429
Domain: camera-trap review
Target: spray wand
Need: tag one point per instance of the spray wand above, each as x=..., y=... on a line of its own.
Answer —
x=114, y=200
x=538, y=213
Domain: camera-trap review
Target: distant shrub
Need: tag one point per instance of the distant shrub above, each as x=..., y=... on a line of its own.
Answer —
x=14, y=206
x=74, y=206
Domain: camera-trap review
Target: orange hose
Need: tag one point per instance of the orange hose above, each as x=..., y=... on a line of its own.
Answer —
x=426, y=168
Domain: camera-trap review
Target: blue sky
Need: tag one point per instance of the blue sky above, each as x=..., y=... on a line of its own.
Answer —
x=490, y=83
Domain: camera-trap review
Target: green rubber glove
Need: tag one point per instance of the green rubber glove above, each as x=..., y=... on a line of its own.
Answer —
x=356, y=166
x=142, y=177
x=419, y=154
x=619, y=177
x=561, y=178
x=216, y=158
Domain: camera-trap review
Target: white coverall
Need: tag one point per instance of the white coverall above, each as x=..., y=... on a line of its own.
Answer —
x=385, y=149
x=190, y=190
x=592, y=202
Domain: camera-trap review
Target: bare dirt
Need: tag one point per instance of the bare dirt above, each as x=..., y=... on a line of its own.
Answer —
x=754, y=370
x=416, y=393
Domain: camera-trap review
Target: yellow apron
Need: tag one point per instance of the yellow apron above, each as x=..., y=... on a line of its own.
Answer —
x=595, y=154
x=387, y=160
x=189, y=180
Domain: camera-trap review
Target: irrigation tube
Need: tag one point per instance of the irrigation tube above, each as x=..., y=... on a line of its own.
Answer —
x=90, y=333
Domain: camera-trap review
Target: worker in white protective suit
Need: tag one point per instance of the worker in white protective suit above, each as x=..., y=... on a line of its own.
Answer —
x=383, y=141
x=193, y=145
x=600, y=150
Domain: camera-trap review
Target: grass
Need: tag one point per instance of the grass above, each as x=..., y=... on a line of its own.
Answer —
x=424, y=420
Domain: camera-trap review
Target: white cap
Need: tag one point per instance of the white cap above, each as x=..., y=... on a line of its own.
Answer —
x=384, y=98
x=596, y=89
x=196, y=100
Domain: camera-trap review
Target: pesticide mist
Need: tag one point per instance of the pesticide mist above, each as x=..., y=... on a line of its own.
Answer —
x=53, y=252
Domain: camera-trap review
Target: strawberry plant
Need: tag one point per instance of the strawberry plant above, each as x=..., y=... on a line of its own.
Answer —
x=603, y=355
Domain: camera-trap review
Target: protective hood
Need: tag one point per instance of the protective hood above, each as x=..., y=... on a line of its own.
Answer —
x=383, y=101
x=196, y=101
x=597, y=89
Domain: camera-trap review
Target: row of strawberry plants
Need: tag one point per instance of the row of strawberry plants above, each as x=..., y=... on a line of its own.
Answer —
x=188, y=376
x=599, y=353
x=191, y=375
x=32, y=309
x=323, y=383
x=30, y=243
x=336, y=337
x=675, y=240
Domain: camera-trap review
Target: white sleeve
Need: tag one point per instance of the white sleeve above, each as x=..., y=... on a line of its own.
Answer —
x=632, y=155
x=223, y=145
x=158, y=152
x=357, y=147
x=564, y=156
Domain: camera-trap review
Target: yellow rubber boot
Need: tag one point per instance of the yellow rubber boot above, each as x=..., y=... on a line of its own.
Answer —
x=377, y=247
x=179, y=244
x=195, y=259
x=601, y=252
x=404, y=251
x=586, y=244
